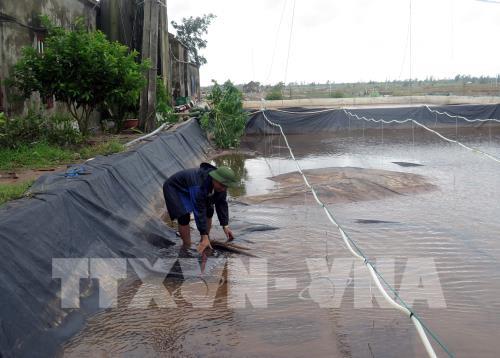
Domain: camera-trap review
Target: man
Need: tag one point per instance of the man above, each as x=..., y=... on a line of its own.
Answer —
x=197, y=191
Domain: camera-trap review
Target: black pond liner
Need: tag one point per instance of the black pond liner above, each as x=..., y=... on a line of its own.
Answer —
x=303, y=121
x=110, y=212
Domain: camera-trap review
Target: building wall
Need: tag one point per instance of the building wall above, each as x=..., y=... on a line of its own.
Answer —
x=20, y=26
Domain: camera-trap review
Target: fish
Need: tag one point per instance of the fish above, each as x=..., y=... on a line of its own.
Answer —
x=369, y=221
x=408, y=164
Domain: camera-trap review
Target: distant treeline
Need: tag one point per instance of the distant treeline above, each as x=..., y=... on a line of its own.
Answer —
x=466, y=85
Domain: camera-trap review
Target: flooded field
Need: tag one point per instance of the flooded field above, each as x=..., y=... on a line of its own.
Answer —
x=452, y=230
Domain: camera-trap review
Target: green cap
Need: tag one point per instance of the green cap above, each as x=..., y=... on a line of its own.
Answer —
x=225, y=176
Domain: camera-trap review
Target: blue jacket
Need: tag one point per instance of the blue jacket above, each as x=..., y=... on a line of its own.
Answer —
x=191, y=190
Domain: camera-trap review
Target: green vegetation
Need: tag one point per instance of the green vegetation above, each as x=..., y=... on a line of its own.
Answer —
x=106, y=148
x=38, y=142
x=37, y=156
x=43, y=155
x=190, y=33
x=337, y=94
x=226, y=119
x=83, y=70
x=13, y=191
x=276, y=92
x=460, y=85
x=35, y=127
x=163, y=106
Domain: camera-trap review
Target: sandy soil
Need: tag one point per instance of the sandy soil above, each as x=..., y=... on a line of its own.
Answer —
x=340, y=185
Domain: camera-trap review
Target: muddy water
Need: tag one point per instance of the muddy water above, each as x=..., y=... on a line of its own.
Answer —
x=453, y=231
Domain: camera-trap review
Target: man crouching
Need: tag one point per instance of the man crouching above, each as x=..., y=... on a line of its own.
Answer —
x=197, y=191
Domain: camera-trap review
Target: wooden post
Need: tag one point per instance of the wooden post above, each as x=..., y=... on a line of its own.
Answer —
x=109, y=12
x=114, y=24
x=147, y=112
x=182, y=82
x=143, y=110
x=165, y=49
x=186, y=74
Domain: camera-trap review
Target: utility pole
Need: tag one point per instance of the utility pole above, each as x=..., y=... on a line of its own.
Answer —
x=165, y=48
x=147, y=112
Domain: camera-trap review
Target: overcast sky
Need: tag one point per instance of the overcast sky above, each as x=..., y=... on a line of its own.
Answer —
x=346, y=40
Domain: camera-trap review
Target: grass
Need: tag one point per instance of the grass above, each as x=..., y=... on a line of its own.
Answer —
x=106, y=148
x=43, y=155
x=40, y=155
x=13, y=191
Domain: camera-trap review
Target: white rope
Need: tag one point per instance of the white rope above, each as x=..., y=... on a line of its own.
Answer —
x=276, y=42
x=289, y=47
x=305, y=112
x=461, y=117
x=156, y=131
x=357, y=253
x=395, y=121
x=475, y=150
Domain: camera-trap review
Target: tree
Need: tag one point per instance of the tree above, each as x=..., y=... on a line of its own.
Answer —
x=276, y=92
x=251, y=87
x=127, y=80
x=82, y=69
x=190, y=32
x=226, y=119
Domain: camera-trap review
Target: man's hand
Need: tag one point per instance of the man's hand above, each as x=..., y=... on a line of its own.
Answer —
x=229, y=233
x=204, y=243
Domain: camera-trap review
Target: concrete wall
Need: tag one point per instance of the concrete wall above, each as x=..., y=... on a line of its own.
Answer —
x=372, y=101
x=20, y=25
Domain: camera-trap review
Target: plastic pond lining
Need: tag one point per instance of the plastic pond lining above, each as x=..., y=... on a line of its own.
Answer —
x=111, y=211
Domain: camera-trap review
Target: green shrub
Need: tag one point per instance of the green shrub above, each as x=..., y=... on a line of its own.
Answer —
x=274, y=95
x=163, y=106
x=83, y=70
x=337, y=94
x=35, y=127
x=62, y=130
x=226, y=119
x=276, y=92
x=17, y=131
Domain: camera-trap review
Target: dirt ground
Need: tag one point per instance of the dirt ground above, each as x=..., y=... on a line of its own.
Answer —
x=22, y=175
